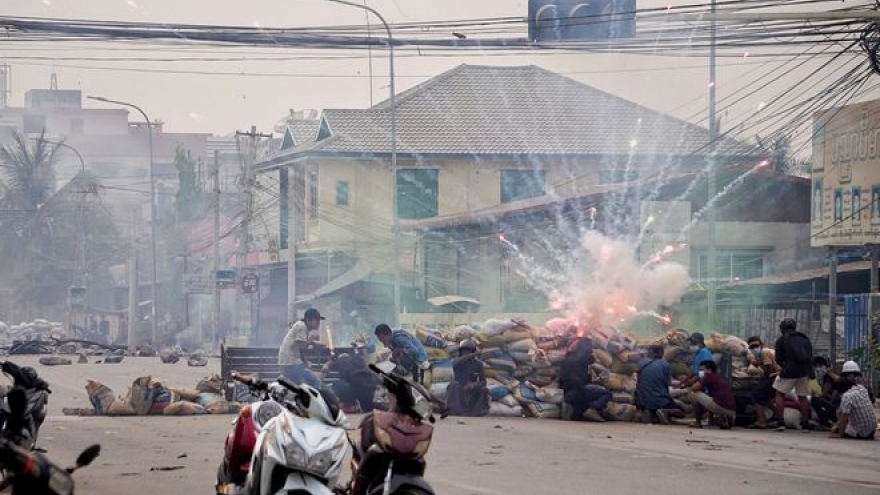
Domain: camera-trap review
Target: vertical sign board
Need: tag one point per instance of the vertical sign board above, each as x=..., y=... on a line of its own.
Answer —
x=845, y=204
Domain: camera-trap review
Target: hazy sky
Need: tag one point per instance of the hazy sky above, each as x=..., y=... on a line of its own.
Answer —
x=222, y=103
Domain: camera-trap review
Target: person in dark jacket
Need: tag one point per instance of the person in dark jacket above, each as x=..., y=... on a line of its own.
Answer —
x=357, y=384
x=652, y=388
x=467, y=395
x=794, y=372
x=586, y=399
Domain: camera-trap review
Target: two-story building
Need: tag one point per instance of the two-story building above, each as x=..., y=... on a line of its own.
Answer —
x=476, y=141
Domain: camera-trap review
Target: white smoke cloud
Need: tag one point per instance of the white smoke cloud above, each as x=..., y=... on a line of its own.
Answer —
x=605, y=285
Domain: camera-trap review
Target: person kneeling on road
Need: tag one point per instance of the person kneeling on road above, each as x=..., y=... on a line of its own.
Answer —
x=763, y=362
x=298, y=336
x=357, y=385
x=855, y=417
x=652, y=388
x=406, y=350
x=467, y=395
x=586, y=399
x=719, y=400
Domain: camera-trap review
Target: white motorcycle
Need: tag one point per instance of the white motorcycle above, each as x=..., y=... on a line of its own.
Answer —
x=300, y=451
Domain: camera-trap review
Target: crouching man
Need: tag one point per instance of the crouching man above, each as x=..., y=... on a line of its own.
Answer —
x=467, y=395
x=855, y=416
x=718, y=398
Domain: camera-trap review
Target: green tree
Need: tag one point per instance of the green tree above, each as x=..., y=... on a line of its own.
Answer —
x=190, y=200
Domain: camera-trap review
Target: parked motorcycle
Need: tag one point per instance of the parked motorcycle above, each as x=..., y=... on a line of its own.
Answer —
x=301, y=450
x=240, y=441
x=32, y=473
x=390, y=459
x=24, y=428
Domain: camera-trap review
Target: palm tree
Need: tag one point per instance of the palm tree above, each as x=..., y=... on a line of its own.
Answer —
x=43, y=229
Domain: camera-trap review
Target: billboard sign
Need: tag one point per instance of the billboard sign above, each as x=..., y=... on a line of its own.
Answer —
x=845, y=204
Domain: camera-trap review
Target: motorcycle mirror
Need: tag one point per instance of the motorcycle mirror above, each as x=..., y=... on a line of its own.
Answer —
x=88, y=455
x=385, y=367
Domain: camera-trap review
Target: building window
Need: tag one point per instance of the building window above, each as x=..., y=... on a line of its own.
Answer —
x=33, y=123
x=313, y=195
x=417, y=193
x=342, y=193
x=730, y=266
x=521, y=184
x=77, y=126
x=617, y=175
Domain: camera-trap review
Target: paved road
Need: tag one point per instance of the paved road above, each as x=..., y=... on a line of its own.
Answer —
x=469, y=456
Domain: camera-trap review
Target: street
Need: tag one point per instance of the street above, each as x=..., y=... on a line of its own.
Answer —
x=171, y=455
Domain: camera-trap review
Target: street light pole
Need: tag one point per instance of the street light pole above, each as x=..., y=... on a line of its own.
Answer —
x=153, y=312
x=395, y=225
x=82, y=163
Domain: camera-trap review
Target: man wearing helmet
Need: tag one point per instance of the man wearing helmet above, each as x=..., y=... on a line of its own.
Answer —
x=794, y=355
x=467, y=394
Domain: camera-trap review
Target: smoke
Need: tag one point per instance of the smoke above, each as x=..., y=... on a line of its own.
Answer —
x=605, y=285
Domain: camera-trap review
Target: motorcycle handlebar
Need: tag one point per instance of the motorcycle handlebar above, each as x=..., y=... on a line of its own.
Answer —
x=250, y=381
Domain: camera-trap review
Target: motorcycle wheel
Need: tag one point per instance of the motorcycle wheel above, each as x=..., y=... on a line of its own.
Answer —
x=410, y=490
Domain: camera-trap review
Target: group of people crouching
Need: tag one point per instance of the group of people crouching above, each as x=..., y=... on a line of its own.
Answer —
x=789, y=378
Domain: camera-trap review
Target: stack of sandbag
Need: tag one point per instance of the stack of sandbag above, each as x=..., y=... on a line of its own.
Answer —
x=540, y=402
x=441, y=376
x=148, y=396
x=503, y=403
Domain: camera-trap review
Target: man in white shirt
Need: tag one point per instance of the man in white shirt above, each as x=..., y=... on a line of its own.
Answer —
x=298, y=335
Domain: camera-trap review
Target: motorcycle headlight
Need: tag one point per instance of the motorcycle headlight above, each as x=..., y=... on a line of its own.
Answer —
x=295, y=455
x=267, y=411
x=323, y=461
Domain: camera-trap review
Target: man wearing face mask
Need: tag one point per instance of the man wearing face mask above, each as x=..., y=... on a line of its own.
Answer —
x=717, y=399
x=698, y=346
x=763, y=361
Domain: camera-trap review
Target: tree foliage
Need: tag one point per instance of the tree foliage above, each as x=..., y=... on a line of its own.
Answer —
x=50, y=238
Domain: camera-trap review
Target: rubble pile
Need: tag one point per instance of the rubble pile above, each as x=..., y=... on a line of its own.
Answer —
x=149, y=396
x=522, y=362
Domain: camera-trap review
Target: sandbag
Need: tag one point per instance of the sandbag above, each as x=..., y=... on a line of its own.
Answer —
x=430, y=338
x=677, y=338
x=143, y=392
x=498, y=375
x=120, y=407
x=624, y=368
x=540, y=362
x=618, y=382
x=734, y=346
x=561, y=325
x=521, y=357
x=495, y=326
x=436, y=354
x=544, y=410
x=207, y=398
x=522, y=346
x=518, y=334
x=499, y=409
x=540, y=381
x=492, y=352
x=602, y=357
x=623, y=398
x=623, y=412
x=523, y=371
x=631, y=357
x=100, y=396
x=463, y=332
x=223, y=407
x=452, y=349
x=509, y=401
x=525, y=393
x=600, y=373
x=498, y=391
x=547, y=372
x=548, y=345
x=189, y=394
x=675, y=353
x=614, y=347
x=549, y=395
x=678, y=368
x=162, y=397
x=210, y=384
x=184, y=408
x=55, y=361
x=502, y=364
x=628, y=340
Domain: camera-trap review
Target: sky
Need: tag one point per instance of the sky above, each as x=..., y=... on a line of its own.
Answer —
x=221, y=104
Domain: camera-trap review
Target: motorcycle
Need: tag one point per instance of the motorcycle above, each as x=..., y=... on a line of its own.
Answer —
x=24, y=428
x=301, y=450
x=246, y=427
x=32, y=473
x=391, y=456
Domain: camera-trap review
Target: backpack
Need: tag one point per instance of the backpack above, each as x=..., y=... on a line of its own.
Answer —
x=798, y=348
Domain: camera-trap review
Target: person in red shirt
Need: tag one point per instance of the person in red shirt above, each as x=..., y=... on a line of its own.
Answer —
x=717, y=398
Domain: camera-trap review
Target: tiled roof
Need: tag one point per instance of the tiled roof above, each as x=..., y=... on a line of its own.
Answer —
x=304, y=131
x=513, y=110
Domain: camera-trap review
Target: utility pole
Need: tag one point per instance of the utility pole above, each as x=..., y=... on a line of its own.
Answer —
x=216, y=254
x=133, y=285
x=247, y=181
x=711, y=272
x=292, y=210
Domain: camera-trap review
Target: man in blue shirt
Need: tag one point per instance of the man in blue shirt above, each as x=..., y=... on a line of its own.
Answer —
x=406, y=350
x=652, y=388
x=698, y=344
